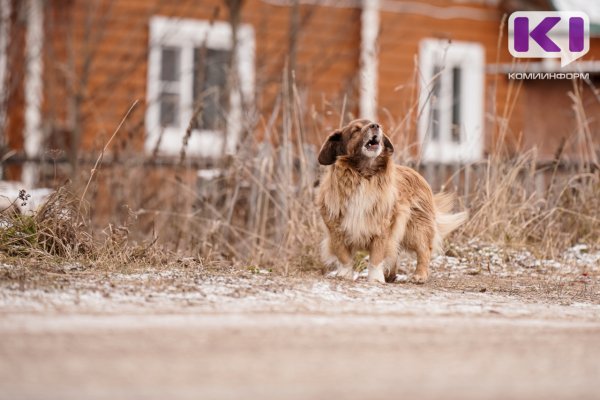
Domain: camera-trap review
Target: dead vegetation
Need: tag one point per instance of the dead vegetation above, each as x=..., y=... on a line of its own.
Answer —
x=256, y=208
x=55, y=229
x=505, y=210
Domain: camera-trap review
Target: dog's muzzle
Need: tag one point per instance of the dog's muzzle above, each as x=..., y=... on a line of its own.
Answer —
x=374, y=140
x=373, y=143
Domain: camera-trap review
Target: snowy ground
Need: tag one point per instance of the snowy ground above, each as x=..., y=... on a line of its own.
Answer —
x=489, y=324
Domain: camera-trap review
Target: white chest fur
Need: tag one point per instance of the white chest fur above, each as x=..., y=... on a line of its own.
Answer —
x=358, y=221
x=364, y=207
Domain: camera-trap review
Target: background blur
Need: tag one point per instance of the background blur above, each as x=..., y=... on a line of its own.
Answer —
x=234, y=98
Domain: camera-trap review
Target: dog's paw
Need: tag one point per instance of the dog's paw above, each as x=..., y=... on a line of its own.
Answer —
x=419, y=278
x=331, y=274
x=342, y=273
x=376, y=279
x=376, y=274
x=347, y=274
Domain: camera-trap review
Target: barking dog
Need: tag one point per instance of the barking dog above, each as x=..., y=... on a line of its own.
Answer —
x=368, y=203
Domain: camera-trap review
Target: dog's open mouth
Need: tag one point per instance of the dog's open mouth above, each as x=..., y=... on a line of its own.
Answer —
x=372, y=144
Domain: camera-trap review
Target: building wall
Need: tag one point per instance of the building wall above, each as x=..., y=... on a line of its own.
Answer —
x=401, y=34
x=556, y=123
x=518, y=115
x=100, y=57
x=14, y=87
x=96, y=66
x=547, y=120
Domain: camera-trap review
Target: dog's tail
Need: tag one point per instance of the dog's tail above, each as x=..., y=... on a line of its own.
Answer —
x=445, y=221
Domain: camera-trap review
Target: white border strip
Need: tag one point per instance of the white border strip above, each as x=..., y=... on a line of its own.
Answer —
x=368, y=59
x=32, y=136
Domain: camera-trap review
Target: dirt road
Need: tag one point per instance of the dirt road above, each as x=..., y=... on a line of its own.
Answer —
x=282, y=356
x=251, y=336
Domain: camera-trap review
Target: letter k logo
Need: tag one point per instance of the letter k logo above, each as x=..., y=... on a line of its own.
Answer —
x=539, y=34
x=549, y=34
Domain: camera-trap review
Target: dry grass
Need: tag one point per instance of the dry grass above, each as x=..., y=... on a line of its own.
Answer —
x=56, y=229
x=548, y=208
x=259, y=210
x=508, y=211
x=255, y=217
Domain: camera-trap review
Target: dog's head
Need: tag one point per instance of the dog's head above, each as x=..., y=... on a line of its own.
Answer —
x=361, y=142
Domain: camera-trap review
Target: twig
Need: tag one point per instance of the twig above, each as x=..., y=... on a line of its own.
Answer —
x=343, y=112
x=101, y=156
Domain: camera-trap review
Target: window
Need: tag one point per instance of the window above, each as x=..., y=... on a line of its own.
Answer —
x=188, y=68
x=451, y=101
x=210, y=80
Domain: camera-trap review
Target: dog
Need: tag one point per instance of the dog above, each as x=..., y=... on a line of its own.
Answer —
x=369, y=203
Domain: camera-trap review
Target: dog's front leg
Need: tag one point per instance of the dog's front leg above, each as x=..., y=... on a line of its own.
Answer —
x=335, y=251
x=377, y=262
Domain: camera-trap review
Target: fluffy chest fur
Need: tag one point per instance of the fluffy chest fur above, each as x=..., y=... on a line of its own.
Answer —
x=357, y=208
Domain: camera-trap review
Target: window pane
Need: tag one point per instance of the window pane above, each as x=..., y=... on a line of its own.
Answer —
x=169, y=67
x=456, y=98
x=210, y=81
x=169, y=110
x=435, y=101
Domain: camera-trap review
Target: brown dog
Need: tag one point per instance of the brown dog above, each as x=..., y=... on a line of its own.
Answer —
x=369, y=203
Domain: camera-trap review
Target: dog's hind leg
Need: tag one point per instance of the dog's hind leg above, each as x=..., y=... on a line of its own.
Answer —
x=392, y=247
x=423, y=250
x=390, y=272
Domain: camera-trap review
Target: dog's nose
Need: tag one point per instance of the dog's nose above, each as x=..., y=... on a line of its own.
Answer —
x=374, y=126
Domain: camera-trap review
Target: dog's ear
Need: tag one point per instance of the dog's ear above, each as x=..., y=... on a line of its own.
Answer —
x=388, y=144
x=332, y=148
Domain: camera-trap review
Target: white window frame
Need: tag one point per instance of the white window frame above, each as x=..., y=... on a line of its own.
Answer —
x=470, y=57
x=188, y=34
